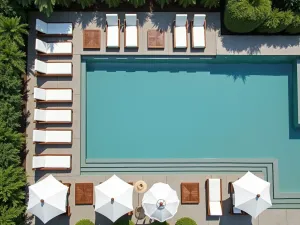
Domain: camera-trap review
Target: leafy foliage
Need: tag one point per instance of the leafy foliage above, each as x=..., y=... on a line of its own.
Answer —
x=186, y=3
x=84, y=222
x=276, y=22
x=293, y=5
x=244, y=16
x=12, y=175
x=185, y=221
x=294, y=27
x=112, y=3
x=211, y=3
x=162, y=3
x=11, y=29
x=137, y=3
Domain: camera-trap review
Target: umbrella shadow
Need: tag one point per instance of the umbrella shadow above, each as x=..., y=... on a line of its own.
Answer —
x=102, y=220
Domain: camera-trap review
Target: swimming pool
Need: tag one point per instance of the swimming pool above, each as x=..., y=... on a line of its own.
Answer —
x=154, y=110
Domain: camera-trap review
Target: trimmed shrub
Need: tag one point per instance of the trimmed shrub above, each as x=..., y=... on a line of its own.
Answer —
x=294, y=27
x=293, y=5
x=84, y=222
x=186, y=3
x=186, y=221
x=211, y=3
x=244, y=16
x=277, y=22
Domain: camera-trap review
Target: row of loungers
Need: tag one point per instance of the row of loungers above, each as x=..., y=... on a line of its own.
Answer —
x=131, y=32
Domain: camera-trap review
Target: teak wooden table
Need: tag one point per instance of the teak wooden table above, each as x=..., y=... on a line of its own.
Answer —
x=91, y=39
x=84, y=193
x=190, y=193
x=156, y=39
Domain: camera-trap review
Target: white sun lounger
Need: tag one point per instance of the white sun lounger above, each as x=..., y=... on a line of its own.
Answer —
x=52, y=68
x=112, y=31
x=53, y=115
x=199, y=31
x=57, y=136
x=53, y=94
x=55, y=48
x=180, y=31
x=52, y=162
x=131, y=31
x=53, y=29
x=214, y=197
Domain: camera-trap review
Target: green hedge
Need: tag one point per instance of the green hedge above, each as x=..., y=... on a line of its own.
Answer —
x=84, y=222
x=277, y=21
x=294, y=27
x=244, y=16
x=12, y=67
x=211, y=3
x=186, y=221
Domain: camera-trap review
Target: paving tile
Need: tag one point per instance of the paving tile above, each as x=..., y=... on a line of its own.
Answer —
x=273, y=217
x=293, y=216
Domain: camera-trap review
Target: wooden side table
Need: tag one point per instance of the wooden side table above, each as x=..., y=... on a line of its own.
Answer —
x=156, y=39
x=84, y=193
x=91, y=39
x=190, y=193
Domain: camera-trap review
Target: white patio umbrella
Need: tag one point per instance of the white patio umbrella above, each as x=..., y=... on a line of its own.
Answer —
x=113, y=198
x=252, y=194
x=47, y=199
x=160, y=202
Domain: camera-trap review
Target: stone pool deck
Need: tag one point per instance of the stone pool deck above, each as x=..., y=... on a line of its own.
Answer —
x=216, y=45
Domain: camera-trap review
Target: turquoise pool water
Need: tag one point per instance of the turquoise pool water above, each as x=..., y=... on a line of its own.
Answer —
x=192, y=110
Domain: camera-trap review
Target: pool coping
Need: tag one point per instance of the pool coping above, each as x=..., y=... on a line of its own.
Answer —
x=269, y=166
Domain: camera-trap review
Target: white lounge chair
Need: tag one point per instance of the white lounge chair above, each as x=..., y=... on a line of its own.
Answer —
x=53, y=29
x=180, y=31
x=52, y=68
x=53, y=115
x=112, y=31
x=214, y=197
x=131, y=31
x=56, y=48
x=53, y=94
x=199, y=31
x=57, y=136
x=52, y=162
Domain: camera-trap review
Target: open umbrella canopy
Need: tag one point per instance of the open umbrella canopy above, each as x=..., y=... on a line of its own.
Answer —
x=47, y=199
x=252, y=194
x=113, y=198
x=160, y=202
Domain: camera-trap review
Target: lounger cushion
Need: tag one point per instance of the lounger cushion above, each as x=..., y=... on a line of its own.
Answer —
x=53, y=48
x=180, y=20
x=53, y=28
x=235, y=210
x=59, y=94
x=131, y=36
x=39, y=94
x=60, y=28
x=131, y=19
x=52, y=68
x=199, y=37
x=51, y=136
x=214, y=190
x=59, y=68
x=215, y=209
x=112, y=36
x=53, y=115
x=51, y=162
x=41, y=26
x=199, y=20
x=180, y=37
x=112, y=19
